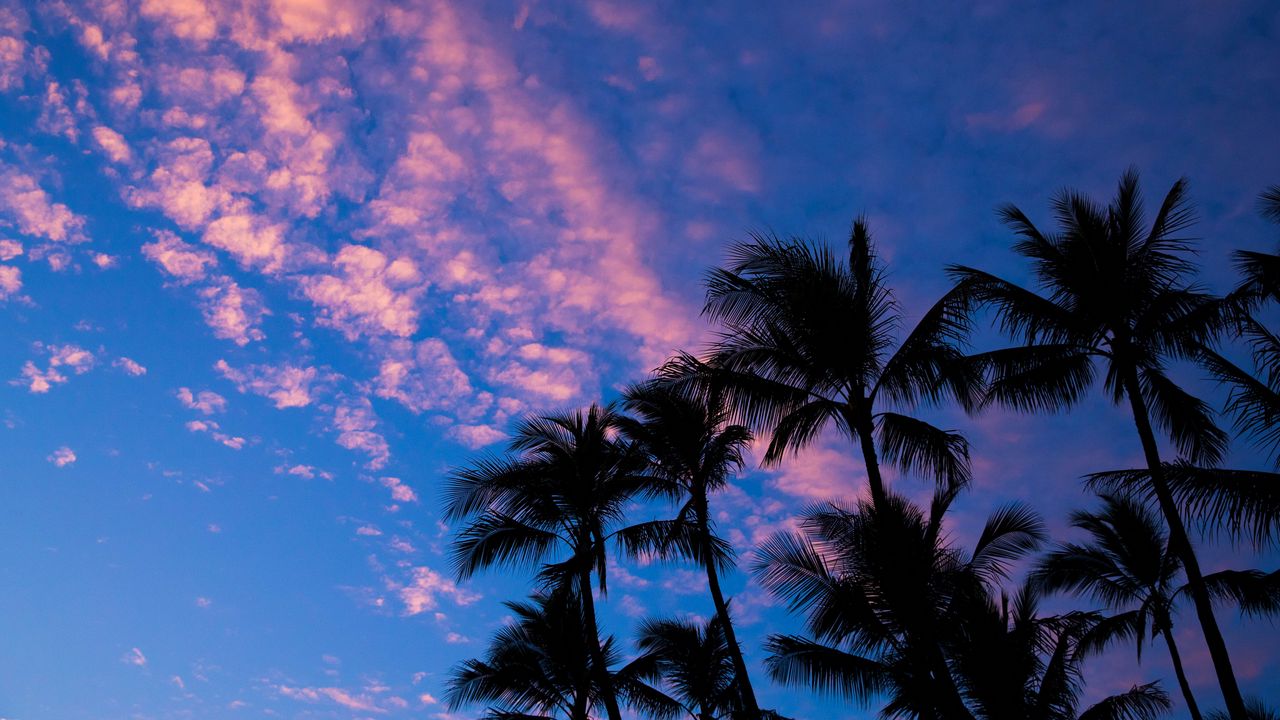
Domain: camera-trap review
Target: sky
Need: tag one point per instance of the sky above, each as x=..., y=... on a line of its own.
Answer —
x=269, y=268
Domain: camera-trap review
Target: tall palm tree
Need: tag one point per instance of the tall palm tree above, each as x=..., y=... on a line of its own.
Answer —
x=693, y=451
x=541, y=666
x=1126, y=566
x=810, y=340
x=554, y=500
x=1118, y=292
x=1013, y=663
x=878, y=586
x=694, y=661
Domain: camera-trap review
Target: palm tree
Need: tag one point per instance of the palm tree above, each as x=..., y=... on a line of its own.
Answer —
x=693, y=451
x=1127, y=567
x=1015, y=664
x=694, y=661
x=1115, y=291
x=559, y=493
x=808, y=341
x=879, y=588
x=541, y=666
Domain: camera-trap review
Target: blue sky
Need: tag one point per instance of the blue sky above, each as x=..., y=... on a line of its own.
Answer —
x=268, y=269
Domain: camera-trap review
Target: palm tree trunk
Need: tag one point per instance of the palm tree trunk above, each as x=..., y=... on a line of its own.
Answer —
x=1177, y=670
x=722, y=610
x=1180, y=543
x=597, y=650
x=579, y=710
x=864, y=425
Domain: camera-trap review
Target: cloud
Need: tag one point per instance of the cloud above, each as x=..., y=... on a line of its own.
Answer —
x=188, y=19
x=205, y=401
x=422, y=376
x=344, y=698
x=235, y=442
x=369, y=294
x=286, y=385
x=425, y=588
x=232, y=312
x=356, y=425
x=129, y=366
x=134, y=657
x=67, y=357
x=10, y=249
x=182, y=261
x=250, y=240
x=399, y=491
x=30, y=208
x=112, y=143
x=62, y=457
x=476, y=436
x=10, y=281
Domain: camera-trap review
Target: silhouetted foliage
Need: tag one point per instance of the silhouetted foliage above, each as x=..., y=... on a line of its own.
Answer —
x=1116, y=292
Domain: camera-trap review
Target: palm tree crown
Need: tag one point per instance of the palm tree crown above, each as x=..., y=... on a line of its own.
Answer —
x=692, y=450
x=808, y=341
x=559, y=493
x=881, y=593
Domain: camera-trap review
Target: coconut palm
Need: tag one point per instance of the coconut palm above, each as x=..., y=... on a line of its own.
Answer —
x=1127, y=567
x=1012, y=663
x=693, y=450
x=1116, y=293
x=554, y=501
x=810, y=340
x=878, y=586
x=694, y=662
x=541, y=666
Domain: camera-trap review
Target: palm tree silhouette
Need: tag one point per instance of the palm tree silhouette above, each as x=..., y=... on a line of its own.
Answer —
x=541, y=666
x=693, y=450
x=559, y=492
x=694, y=661
x=879, y=588
x=1115, y=291
x=808, y=340
x=1014, y=664
x=1127, y=567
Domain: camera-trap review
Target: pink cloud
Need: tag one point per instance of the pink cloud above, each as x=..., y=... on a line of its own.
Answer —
x=344, y=698
x=130, y=366
x=233, y=313
x=399, y=491
x=112, y=143
x=356, y=425
x=286, y=385
x=205, y=401
x=34, y=213
x=10, y=281
x=67, y=357
x=62, y=457
x=188, y=19
x=369, y=295
x=426, y=587
x=134, y=657
x=180, y=260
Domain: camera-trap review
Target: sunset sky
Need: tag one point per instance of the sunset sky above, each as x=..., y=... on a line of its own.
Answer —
x=268, y=268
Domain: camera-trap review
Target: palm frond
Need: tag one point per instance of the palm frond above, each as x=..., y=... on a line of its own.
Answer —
x=1010, y=533
x=1142, y=702
x=795, y=660
x=915, y=446
x=1187, y=418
